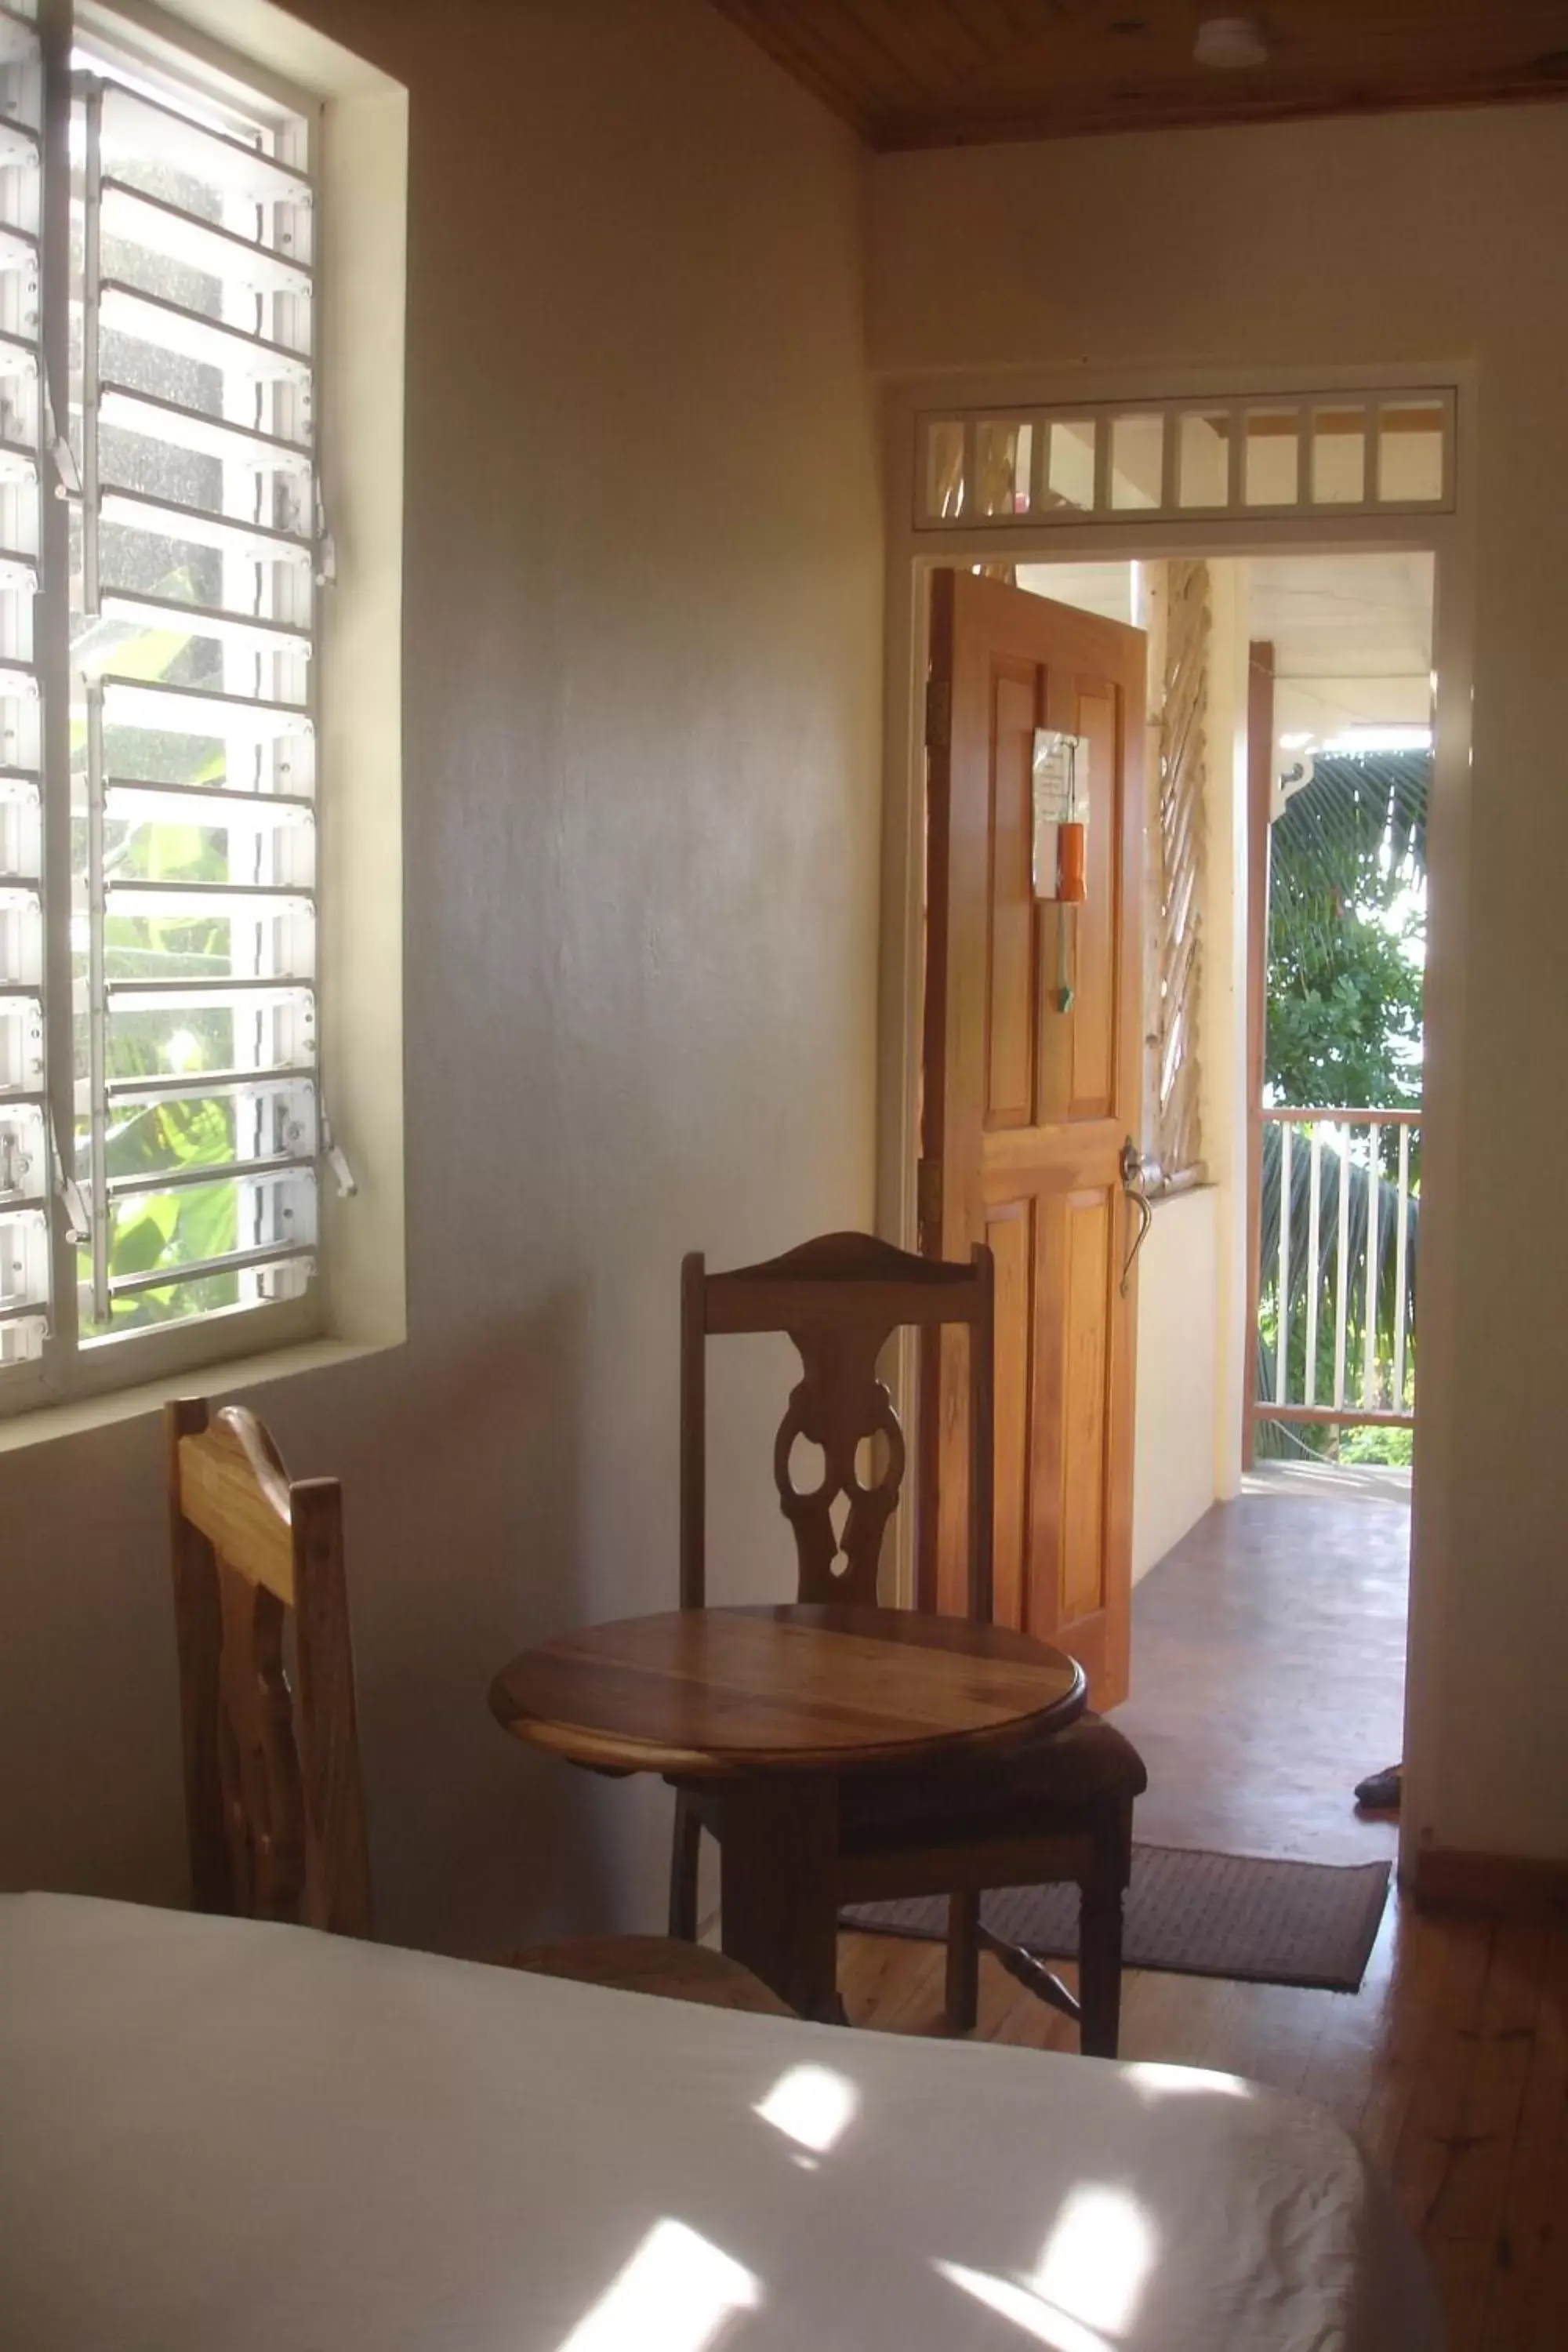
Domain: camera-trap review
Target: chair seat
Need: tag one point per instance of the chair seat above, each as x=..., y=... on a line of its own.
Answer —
x=1044, y=1788
x=654, y=1964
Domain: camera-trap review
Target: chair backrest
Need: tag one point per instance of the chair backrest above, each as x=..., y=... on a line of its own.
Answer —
x=274, y=1798
x=839, y=1298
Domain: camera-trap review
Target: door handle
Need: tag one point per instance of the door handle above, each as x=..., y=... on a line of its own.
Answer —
x=1132, y=1184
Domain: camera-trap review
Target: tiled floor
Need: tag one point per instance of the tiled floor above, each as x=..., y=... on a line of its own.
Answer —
x=1268, y=1668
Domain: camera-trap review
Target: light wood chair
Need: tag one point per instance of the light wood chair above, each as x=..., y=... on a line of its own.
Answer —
x=274, y=1794
x=1059, y=1811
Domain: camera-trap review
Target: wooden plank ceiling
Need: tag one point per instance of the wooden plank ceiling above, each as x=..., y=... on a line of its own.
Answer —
x=945, y=73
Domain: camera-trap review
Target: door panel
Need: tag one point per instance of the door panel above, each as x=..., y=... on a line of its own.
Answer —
x=1093, y=1028
x=1083, y=1334
x=1026, y=1106
x=1010, y=1230
x=1012, y=975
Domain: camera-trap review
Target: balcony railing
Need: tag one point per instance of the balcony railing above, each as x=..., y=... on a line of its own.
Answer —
x=1341, y=1201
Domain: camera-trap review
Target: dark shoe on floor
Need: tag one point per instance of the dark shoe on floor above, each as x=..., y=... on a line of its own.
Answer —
x=1379, y=1793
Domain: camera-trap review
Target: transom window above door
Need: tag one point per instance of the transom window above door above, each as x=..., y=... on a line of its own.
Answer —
x=1339, y=453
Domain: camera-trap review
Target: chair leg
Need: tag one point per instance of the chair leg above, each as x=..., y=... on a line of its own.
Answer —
x=1099, y=1970
x=685, y=1847
x=1099, y=1937
x=962, y=1992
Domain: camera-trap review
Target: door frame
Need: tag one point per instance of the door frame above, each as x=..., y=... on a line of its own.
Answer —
x=913, y=553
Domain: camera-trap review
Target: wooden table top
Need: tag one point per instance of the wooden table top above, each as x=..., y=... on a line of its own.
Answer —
x=713, y=1693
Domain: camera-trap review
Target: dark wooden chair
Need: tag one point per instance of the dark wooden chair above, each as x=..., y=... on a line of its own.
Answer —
x=1060, y=1810
x=274, y=1794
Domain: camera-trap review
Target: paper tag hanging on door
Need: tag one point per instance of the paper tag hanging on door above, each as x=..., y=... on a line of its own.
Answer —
x=1060, y=778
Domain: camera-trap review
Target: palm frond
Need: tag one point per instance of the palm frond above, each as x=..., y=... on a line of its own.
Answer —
x=1353, y=838
x=1356, y=809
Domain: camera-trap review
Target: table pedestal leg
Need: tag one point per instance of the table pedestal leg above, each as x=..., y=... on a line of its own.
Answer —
x=779, y=1887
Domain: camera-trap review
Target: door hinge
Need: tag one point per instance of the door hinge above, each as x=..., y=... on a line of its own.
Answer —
x=939, y=714
x=928, y=1202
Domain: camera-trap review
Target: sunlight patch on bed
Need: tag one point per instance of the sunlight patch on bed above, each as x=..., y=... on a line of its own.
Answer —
x=1027, y=2311
x=1155, y=2081
x=1085, y=2294
x=675, y=2295
x=1097, y=2258
x=812, y=2105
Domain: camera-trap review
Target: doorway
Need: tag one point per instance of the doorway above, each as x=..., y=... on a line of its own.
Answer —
x=1265, y=1556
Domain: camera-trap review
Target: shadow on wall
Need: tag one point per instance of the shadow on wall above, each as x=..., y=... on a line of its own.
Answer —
x=463, y=1515
x=464, y=1543
x=483, y=1511
x=89, y=1733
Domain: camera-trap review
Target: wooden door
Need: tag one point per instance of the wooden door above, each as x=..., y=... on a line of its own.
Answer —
x=1027, y=1108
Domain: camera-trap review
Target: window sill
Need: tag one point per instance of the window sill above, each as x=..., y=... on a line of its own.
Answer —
x=1177, y=1188
x=50, y=1423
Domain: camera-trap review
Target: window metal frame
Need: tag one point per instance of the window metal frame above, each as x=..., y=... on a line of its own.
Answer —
x=157, y=49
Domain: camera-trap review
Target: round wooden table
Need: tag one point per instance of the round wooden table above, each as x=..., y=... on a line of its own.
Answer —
x=767, y=1708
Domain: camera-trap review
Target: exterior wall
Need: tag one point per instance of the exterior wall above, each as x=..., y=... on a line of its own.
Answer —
x=1192, y=1282
x=1223, y=1025
x=1422, y=241
x=642, y=688
x=1178, y=1383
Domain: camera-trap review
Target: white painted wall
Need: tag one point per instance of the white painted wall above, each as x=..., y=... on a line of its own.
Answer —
x=1173, y=1447
x=1223, y=1044
x=642, y=633
x=1192, y=1280
x=1425, y=242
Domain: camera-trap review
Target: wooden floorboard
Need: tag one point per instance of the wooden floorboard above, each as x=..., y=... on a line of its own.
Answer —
x=1267, y=1676
x=1527, y=2285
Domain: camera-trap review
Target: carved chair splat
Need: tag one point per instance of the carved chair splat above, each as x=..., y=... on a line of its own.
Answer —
x=840, y=1299
x=1061, y=1811
x=842, y=1408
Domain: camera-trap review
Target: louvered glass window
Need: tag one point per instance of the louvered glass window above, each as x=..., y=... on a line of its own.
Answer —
x=27, y=1187
x=160, y=557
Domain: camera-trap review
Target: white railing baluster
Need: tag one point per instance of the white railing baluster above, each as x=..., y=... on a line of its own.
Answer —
x=1368, y=1354
x=1401, y=1231
x=1342, y=1276
x=1314, y=1246
x=1282, y=1354
x=1363, y=1387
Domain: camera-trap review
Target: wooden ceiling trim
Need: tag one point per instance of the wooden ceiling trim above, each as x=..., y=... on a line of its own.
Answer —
x=834, y=91
x=867, y=48
x=1157, y=111
x=954, y=43
x=921, y=73
x=833, y=60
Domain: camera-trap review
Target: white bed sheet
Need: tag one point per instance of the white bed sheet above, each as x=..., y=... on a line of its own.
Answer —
x=217, y=2136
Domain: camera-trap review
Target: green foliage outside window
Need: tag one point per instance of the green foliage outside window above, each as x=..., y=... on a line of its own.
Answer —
x=182, y=1226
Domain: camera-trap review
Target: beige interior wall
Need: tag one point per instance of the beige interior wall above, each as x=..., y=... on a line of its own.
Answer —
x=642, y=649
x=1424, y=241
x=1172, y=1458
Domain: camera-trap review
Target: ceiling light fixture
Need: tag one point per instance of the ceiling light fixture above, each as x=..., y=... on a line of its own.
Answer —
x=1229, y=43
